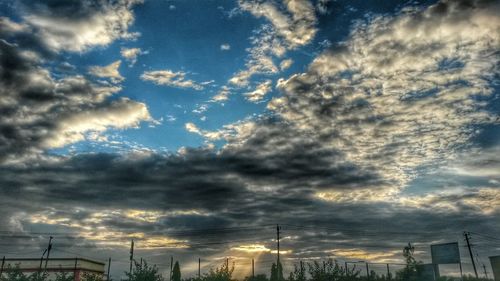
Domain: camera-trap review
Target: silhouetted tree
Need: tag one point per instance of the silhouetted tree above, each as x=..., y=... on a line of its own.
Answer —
x=412, y=270
x=258, y=277
x=144, y=272
x=176, y=272
x=276, y=272
x=14, y=274
x=222, y=273
x=64, y=276
x=279, y=269
x=39, y=276
x=298, y=273
x=87, y=276
x=329, y=270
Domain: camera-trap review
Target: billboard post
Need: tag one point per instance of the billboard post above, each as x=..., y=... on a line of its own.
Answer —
x=495, y=266
x=447, y=253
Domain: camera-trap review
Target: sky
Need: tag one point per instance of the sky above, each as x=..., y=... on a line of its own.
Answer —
x=195, y=127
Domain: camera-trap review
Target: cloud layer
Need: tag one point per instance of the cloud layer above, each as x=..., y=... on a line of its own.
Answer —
x=333, y=161
x=171, y=78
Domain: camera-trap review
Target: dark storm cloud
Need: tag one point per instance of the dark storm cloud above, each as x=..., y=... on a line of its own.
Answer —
x=197, y=176
x=217, y=187
x=14, y=72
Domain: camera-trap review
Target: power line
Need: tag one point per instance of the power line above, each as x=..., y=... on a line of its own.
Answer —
x=194, y=231
x=364, y=232
x=485, y=236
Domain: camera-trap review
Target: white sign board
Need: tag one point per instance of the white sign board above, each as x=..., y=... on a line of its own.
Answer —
x=447, y=253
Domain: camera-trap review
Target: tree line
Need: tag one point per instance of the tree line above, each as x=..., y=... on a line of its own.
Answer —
x=329, y=270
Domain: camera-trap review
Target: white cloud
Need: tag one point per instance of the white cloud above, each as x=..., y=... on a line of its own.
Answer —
x=482, y=200
x=292, y=25
x=95, y=25
x=131, y=54
x=170, y=118
x=235, y=133
x=120, y=114
x=201, y=108
x=192, y=128
x=109, y=71
x=222, y=95
x=260, y=91
x=295, y=23
x=285, y=64
x=171, y=78
x=9, y=26
x=477, y=162
x=266, y=46
x=225, y=47
x=402, y=91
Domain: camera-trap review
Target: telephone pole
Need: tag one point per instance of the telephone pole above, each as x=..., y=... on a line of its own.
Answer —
x=74, y=268
x=199, y=268
x=253, y=269
x=278, y=228
x=131, y=256
x=302, y=270
x=367, y=271
x=171, y=266
x=467, y=237
x=109, y=266
x=48, y=251
x=41, y=258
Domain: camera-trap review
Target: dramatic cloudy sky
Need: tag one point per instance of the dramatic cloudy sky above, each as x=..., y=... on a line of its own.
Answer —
x=194, y=127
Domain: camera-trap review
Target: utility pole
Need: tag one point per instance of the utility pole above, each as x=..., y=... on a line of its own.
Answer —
x=41, y=258
x=74, y=269
x=466, y=234
x=278, y=228
x=131, y=255
x=345, y=264
x=301, y=270
x=48, y=251
x=199, y=268
x=171, y=266
x=388, y=272
x=367, y=271
x=485, y=272
x=109, y=267
x=253, y=269
x=227, y=263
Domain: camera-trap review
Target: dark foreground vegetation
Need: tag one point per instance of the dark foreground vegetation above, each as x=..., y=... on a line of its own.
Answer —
x=329, y=270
